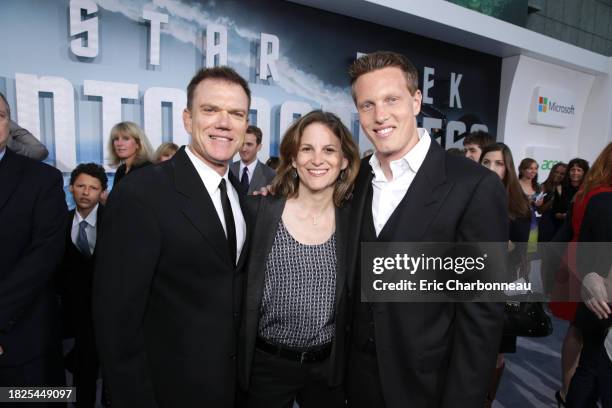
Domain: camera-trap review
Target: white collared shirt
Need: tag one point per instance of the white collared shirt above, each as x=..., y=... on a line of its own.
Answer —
x=387, y=194
x=211, y=180
x=90, y=229
x=250, y=171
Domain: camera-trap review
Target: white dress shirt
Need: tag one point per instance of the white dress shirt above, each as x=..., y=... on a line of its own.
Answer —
x=211, y=180
x=387, y=194
x=250, y=171
x=90, y=229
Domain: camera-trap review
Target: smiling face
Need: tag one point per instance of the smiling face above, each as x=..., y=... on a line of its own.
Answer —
x=494, y=161
x=125, y=146
x=319, y=159
x=576, y=174
x=249, y=149
x=217, y=121
x=387, y=112
x=531, y=172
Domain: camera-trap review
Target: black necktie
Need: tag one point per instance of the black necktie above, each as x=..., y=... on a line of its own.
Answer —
x=244, y=180
x=229, y=221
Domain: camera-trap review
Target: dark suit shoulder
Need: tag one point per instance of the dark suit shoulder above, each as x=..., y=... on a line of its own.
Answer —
x=34, y=167
x=147, y=179
x=459, y=167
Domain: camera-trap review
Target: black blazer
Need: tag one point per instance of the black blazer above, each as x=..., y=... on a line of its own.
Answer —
x=436, y=354
x=32, y=224
x=264, y=214
x=120, y=173
x=596, y=227
x=166, y=295
x=75, y=280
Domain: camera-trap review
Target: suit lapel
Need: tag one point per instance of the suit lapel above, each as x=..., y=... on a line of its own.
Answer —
x=342, y=239
x=198, y=206
x=358, y=206
x=241, y=197
x=10, y=174
x=257, y=178
x=422, y=201
x=269, y=215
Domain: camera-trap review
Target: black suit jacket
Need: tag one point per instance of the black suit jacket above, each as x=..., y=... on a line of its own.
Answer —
x=437, y=354
x=32, y=221
x=596, y=227
x=76, y=279
x=264, y=214
x=166, y=293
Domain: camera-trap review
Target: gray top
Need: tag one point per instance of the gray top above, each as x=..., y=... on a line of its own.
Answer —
x=24, y=143
x=297, y=309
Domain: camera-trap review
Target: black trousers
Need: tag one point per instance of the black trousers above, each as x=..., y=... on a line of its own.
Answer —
x=592, y=379
x=43, y=371
x=277, y=383
x=363, y=381
x=86, y=365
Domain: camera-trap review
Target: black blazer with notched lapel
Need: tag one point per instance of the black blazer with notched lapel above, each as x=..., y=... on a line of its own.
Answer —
x=32, y=225
x=75, y=278
x=435, y=354
x=166, y=294
x=264, y=215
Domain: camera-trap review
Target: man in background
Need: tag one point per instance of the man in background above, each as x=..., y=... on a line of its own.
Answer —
x=32, y=226
x=251, y=172
x=474, y=142
x=87, y=183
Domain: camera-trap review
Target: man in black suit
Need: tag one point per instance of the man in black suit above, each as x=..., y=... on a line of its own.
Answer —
x=87, y=183
x=251, y=172
x=410, y=190
x=168, y=277
x=32, y=221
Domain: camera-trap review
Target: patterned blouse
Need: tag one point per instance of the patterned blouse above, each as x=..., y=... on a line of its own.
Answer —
x=297, y=309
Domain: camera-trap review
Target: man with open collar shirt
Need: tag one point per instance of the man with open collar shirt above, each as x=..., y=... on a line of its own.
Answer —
x=168, y=278
x=417, y=354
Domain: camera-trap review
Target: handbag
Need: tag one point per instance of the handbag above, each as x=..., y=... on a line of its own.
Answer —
x=526, y=319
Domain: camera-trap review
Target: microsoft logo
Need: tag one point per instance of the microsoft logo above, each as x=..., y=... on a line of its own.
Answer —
x=542, y=104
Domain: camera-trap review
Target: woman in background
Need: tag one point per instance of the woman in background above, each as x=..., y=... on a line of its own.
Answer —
x=497, y=157
x=567, y=283
x=293, y=334
x=593, y=377
x=129, y=149
x=528, y=180
x=164, y=152
x=564, y=193
x=548, y=223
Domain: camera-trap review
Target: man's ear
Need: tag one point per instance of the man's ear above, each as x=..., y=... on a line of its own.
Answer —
x=417, y=99
x=187, y=120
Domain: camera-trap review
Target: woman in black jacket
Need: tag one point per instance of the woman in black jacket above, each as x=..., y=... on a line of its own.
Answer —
x=293, y=333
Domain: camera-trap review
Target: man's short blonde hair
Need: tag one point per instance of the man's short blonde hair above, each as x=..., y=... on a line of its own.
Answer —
x=384, y=59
